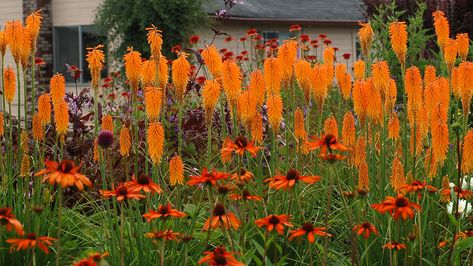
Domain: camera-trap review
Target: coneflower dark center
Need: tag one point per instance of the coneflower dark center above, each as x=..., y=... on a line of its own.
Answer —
x=143, y=180
x=220, y=260
x=330, y=139
x=241, y=142
x=122, y=191
x=246, y=194
x=242, y=171
x=66, y=166
x=292, y=174
x=308, y=227
x=273, y=219
x=219, y=210
x=164, y=209
x=401, y=202
x=366, y=225
x=3, y=211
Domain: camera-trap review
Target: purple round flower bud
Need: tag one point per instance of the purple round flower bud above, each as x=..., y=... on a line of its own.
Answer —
x=105, y=139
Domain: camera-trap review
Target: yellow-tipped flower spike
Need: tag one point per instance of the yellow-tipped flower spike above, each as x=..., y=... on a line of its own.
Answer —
x=57, y=88
x=398, y=36
x=95, y=59
x=148, y=73
x=2, y=121
x=15, y=38
x=153, y=102
x=176, y=171
x=180, y=75
x=463, y=45
x=107, y=123
x=9, y=83
x=397, y=178
x=442, y=29
x=363, y=178
x=210, y=96
x=33, y=24
x=303, y=73
x=155, y=142
x=125, y=141
x=246, y=107
x=467, y=152
x=231, y=81
x=133, y=67
x=212, y=60
x=272, y=75
x=287, y=53
x=25, y=166
x=257, y=128
x=394, y=127
x=450, y=52
x=299, y=125
x=155, y=41
x=381, y=76
x=365, y=34
x=44, y=108
x=257, y=87
x=61, y=117
x=331, y=126
x=348, y=129
x=38, y=129
x=275, y=107
x=359, y=69
x=3, y=43
x=163, y=71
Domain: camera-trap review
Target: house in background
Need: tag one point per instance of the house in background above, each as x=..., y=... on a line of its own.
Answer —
x=68, y=26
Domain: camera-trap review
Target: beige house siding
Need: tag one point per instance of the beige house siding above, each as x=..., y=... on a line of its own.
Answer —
x=74, y=12
x=11, y=10
x=343, y=37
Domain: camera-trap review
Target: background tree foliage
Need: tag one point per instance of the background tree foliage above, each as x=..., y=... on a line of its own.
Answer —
x=127, y=20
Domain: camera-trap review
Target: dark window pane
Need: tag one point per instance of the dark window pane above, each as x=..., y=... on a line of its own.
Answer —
x=66, y=47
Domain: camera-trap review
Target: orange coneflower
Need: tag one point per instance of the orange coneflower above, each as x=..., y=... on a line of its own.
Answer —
x=245, y=195
x=153, y=102
x=44, y=108
x=274, y=222
x=462, y=193
x=331, y=126
x=463, y=45
x=155, y=41
x=359, y=69
x=219, y=257
x=398, y=37
x=143, y=183
x=38, y=130
x=65, y=173
x=445, y=195
x=275, y=108
x=365, y=229
x=122, y=192
x=257, y=87
x=242, y=176
x=57, y=87
x=148, y=73
x=95, y=58
x=207, y=177
x=8, y=219
x=92, y=260
x=287, y=53
x=348, y=129
x=164, y=211
x=107, y=123
x=167, y=235
x=155, y=141
x=450, y=52
x=417, y=186
x=366, y=35
x=132, y=67
x=289, y=180
x=231, y=81
x=239, y=146
x=442, y=29
x=212, y=60
x=363, y=178
x=309, y=230
x=303, y=72
x=61, y=116
x=15, y=38
x=220, y=216
x=33, y=24
x=272, y=75
x=181, y=69
x=394, y=245
x=299, y=126
x=397, y=207
x=210, y=95
x=176, y=170
x=9, y=84
x=125, y=141
x=326, y=143
x=31, y=241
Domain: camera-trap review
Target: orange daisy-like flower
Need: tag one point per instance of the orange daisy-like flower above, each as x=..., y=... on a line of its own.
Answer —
x=417, y=186
x=309, y=230
x=326, y=143
x=243, y=176
x=31, y=241
x=164, y=211
x=245, y=195
x=239, y=146
x=220, y=257
x=164, y=235
x=122, y=192
x=365, y=229
x=221, y=217
x=143, y=183
x=65, y=173
x=207, y=177
x=274, y=222
x=394, y=245
x=397, y=207
x=92, y=259
x=463, y=193
x=290, y=179
x=8, y=219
